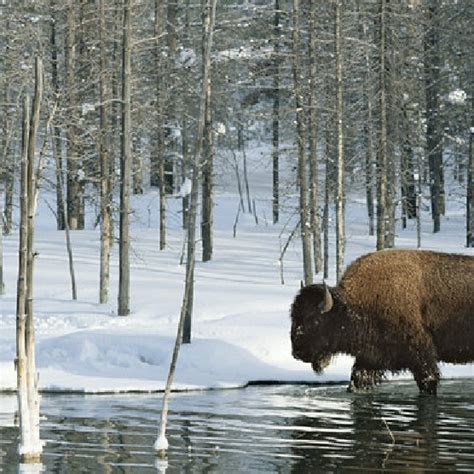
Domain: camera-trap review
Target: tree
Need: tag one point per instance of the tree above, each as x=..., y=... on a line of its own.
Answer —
x=434, y=143
x=2, y=195
x=340, y=225
x=75, y=194
x=207, y=173
x=382, y=160
x=184, y=325
x=105, y=183
x=27, y=379
x=470, y=180
x=158, y=162
x=276, y=113
x=125, y=167
x=301, y=143
x=313, y=139
x=209, y=15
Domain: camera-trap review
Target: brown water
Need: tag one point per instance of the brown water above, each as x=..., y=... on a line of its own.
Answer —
x=282, y=428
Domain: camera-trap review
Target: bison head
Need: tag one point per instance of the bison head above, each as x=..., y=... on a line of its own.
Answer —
x=316, y=325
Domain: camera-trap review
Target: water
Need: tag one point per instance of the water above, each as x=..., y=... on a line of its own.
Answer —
x=286, y=428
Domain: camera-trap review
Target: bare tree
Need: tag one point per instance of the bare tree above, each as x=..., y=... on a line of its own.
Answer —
x=56, y=130
x=382, y=151
x=28, y=396
x=433, y=111
x=313, y=140
x=340, y=225
x=105, y=184
x=368, y=127
x=75, y=198
x=301, y=139
x=276, y=113
x=208, y=32
x=184, y=326
x=207, y=172
x=470, y=176
x=2, y=196
x=158, y=164
x=125, y=168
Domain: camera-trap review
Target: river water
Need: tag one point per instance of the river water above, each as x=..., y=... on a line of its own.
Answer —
x=284, y=428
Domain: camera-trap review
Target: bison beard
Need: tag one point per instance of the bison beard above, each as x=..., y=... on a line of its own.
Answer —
x=393, y=310
x=319, y=363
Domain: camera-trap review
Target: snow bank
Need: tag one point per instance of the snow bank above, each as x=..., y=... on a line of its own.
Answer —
x=241, y=311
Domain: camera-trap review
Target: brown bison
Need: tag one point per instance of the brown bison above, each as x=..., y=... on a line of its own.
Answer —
x=393, y=310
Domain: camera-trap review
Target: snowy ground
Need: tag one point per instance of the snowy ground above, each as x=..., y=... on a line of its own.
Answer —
x=241, y=313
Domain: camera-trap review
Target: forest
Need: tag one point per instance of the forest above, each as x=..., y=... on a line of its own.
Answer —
x=179, y=162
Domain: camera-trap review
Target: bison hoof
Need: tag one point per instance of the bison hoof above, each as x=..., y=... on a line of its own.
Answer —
x=362, y=380
x=428, y=387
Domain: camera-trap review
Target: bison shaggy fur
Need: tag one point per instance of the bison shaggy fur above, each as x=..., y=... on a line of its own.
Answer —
x=393, y=310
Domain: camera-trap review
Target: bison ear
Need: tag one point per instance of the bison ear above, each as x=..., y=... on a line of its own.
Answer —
x=326, y=305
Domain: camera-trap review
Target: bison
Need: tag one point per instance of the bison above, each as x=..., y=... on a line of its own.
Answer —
x=393, y=310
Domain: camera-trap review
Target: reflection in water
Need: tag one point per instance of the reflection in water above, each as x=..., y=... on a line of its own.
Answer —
x=269, y=429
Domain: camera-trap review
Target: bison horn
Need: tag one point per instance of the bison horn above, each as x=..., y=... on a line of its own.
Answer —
x=328, y=300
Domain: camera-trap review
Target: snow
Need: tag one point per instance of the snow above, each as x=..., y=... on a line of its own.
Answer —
x=185, y=189
x=161, y=443
x=241, y=311
x=457, y=97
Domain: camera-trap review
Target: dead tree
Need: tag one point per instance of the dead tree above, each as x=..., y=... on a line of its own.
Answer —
x=105, y=184
x=301, y=139
x=207, y=178
x=382, y=160
x=276, y=113
x=340, y=225
x=313, y=141
x=125, y=168
x=27, y=379
x=184, y=325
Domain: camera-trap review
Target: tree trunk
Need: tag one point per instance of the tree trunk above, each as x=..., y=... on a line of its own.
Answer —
x=158, y=164
x=407, y=170
x=327, y=184
x=369, y=133
x=2, y=197
x=56, y=130
x=187, y=307
x=9, y=185
x=433, y=112
x=74, y=166
x=28, y=397
x=276, y=113
x=301, y=137
x=382, y=151
x=60, y=183
x=313, y=142
x=32, y=193
x=137, y=175
x=241, y=148
x=125, y=168
x=207, y=171
x=26, y=449
x=105, y=184
x=340, y=224
x=470, y=172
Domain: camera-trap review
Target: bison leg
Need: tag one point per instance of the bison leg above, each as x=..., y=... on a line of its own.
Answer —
x=427, y=378
x=425, y=369
x=364, y=379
